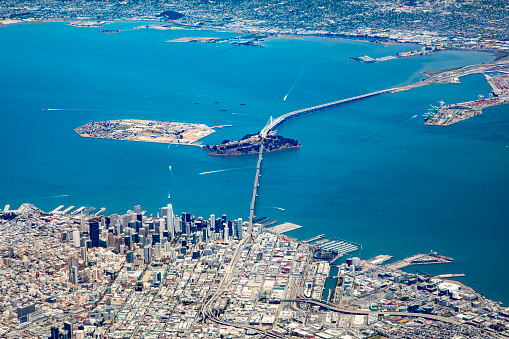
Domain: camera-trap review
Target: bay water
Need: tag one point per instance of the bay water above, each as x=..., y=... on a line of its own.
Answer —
x=368, y=172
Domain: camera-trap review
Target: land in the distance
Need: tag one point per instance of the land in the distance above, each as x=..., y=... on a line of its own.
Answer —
x=454, y=113
x=146, y=131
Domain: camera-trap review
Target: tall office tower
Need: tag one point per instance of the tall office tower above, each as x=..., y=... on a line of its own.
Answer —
x=183, y=222
x=239, y=228
x=54, y=332
x=129, y=258
x=162, y=224
x=111, y=240
x=94, y=232
x=157, y=251
x=137, y=209
x=83, y=226
x=143, y=232
x=226, y=234
x=188, y=228
x=212, y=224
x=147, y=254
x=119, y=228
x=176, y=224
x=204, y=237
x=84, y=254
x=164, y=211
x=68, y=328
x=127, y=241
x=76, y=238
x=74, y=275
x=170, y=220
x=138, y=225
x=167, y=247
x=223, y=218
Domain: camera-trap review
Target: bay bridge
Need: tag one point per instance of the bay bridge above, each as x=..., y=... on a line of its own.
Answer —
x=273, y=123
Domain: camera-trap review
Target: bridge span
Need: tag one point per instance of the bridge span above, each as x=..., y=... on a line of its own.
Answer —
x=278, y=121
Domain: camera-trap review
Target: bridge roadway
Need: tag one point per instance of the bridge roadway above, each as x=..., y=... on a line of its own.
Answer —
x=278, y=121
x=255, y=188
x=449, y=320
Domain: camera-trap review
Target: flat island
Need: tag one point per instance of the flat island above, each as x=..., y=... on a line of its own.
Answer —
x=250, y=144
x=146, y=131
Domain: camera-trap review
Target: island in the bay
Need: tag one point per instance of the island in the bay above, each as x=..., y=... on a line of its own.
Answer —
x=147, y=131
x=181, y=133
x=251, y=143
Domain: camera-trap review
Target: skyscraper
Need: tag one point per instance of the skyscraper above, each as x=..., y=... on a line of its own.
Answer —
x=54, y=332
x=76, y=238
x=94, y=232
x=170, y=225
x=148, y=254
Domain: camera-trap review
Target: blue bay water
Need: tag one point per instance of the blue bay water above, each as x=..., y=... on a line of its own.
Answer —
x=368, y=172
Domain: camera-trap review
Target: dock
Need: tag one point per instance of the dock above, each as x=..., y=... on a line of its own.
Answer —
x=57, y=209
x=88, y=210
x=320, y=236
x=102, y=209
x=419, y=259
x=78, y=210
x=270, y=223
x=450, y=275
x=285, y=227
x=379, y=259
x=67, y=209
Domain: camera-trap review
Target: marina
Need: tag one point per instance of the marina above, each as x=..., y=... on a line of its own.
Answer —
x=339, y=247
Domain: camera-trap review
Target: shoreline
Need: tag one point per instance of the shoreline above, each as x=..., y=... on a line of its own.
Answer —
x=497, y=53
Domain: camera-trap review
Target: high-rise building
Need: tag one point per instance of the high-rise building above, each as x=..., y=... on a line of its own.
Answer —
x=84, y=255
x=74, y=275
x=129, y=258
x=148, y=254
x=54, y=332
x=170, y=220
x=69, y=329
x=94, y=233
x=76, y=238
x=157, y=251
x=226, y=234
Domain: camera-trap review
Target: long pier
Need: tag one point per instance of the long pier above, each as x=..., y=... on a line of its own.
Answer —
x=278, y=121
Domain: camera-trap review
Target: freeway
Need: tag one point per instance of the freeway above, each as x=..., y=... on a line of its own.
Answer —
x=450, y=320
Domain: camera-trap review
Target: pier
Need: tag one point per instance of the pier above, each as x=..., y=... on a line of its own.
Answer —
x=285, y=227
x=320, y=236
x=67, y=210
x=419, y=259
x=450, y=275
